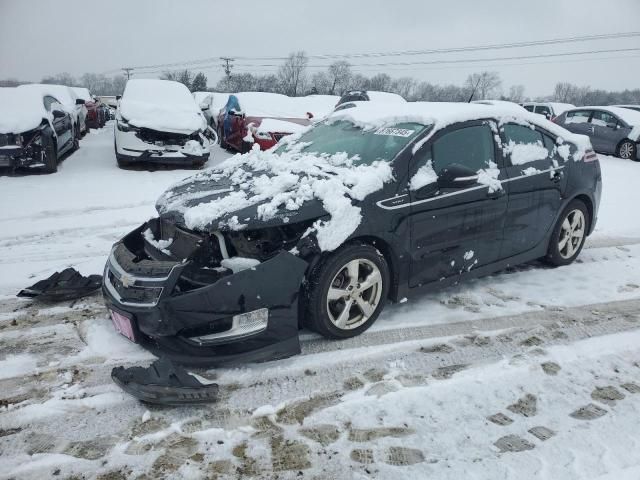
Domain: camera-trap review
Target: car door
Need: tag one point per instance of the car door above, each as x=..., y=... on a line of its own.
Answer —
x=607, y=131
x=456, y=229
x=61, y=125
x=534, y=186
x=577, y=121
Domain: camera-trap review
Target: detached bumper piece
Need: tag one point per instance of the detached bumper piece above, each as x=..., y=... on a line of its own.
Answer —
x=164, y=383
x=63, y=286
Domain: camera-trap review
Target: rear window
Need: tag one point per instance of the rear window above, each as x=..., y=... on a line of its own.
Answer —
x=543, y=110
x=528, y=108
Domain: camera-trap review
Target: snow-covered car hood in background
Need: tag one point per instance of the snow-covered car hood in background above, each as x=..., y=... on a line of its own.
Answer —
x=161, y=105
x=265, y=188
x=21, y=110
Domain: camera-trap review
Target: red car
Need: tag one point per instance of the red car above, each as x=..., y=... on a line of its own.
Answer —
x=260, y=118
x=94, y=118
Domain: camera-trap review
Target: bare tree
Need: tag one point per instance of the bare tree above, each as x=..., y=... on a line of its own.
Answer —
x=320, y=83
x=293, y=74
x=405, y=87
x=380, y=82
x=483, y=85
x=564, y=92
x=359, y=82
x=61, y=79
x=339, y=75
x=199, y=83
x=516, y=93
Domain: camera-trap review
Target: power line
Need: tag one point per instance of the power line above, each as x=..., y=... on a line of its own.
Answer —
x=554, y=41
x=438, y=62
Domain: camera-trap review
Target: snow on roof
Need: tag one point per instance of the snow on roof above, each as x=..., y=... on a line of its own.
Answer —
x=560, y=108
x=375, y=96
x=220, y=99
x=273, y=125
x=21, y=110
x=371, y=115
x=162, y=105
x=275, y=105
x=65, y=95
x=83, y=93
x=501, y=103
x=199, y=97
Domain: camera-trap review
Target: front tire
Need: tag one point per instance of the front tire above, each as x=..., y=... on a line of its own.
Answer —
x=628, y=150
x=347, y=291
x=569, y=234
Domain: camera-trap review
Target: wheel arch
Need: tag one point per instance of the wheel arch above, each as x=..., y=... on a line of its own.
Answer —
x=584, y=198
x=623, y=140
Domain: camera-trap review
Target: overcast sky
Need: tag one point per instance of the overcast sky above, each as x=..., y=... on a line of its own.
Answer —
x=44, y=37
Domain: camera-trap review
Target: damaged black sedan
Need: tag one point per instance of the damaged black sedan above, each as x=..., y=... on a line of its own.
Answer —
x=367, y=206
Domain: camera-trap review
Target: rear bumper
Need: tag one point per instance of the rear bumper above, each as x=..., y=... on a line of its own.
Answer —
x=177, y=325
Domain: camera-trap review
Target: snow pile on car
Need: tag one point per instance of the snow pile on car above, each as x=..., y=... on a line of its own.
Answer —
x=522, y=153
x=275, y=105
x=83, y=93
x=20, y=110
x=161, y=105
x=277, y=182
x=279, y=126
x=63, y=94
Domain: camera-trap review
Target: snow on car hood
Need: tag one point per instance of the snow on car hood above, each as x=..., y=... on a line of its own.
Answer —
x=20, y=110
x=160, y=105
x=265, y=188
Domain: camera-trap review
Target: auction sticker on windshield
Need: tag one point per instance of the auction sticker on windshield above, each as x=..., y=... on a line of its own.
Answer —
x=394, y=132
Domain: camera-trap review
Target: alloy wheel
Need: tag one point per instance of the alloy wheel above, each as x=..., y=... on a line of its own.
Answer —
x=626, y=150
x=572, y=234
x=354, y=294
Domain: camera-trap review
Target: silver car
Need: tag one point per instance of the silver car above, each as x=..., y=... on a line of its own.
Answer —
x=612, y=130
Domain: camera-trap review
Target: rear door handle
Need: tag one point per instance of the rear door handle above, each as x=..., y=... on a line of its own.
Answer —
x=496, y=193
x=557, y=176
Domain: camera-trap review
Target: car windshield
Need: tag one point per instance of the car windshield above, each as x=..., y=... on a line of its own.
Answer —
x=369, y=145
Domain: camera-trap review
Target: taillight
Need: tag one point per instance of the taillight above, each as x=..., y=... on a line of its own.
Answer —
x=590, y=156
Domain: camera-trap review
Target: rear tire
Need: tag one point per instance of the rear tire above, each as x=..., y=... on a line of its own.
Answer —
x=50, y=157
x=628, y=150
x=347, y=291
x=569, y=234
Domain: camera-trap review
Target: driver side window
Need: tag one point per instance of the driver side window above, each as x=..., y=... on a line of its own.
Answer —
x=471, y=147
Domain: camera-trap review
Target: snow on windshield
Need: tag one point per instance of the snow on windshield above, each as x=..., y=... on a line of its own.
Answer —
x=20, y=110
x=161, y=105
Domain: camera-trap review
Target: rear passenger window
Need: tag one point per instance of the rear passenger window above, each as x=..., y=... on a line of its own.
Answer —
x=604, y=119
x=529, y=108
x=580, y=116
x=524, y=144
x=471, y=147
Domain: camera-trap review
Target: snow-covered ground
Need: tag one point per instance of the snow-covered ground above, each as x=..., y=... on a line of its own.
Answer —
x=531, y=373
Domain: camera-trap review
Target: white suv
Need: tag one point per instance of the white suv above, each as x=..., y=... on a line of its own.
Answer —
x=550, y=110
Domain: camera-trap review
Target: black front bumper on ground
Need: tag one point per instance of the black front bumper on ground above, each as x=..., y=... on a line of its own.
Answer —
x=248, y=316
x=155, y=157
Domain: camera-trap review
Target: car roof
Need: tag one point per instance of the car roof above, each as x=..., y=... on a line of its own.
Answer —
x=372, y=115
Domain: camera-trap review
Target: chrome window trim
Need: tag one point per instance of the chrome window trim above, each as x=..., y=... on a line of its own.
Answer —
x=459, y=192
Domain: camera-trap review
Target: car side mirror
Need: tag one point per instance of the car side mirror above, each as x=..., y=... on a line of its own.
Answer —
x=456, y=176
x=79, y=101
x=58, y=114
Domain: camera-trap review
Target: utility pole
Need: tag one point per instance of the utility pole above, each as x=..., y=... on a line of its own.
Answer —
x=227, y=65
x=127, y=71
